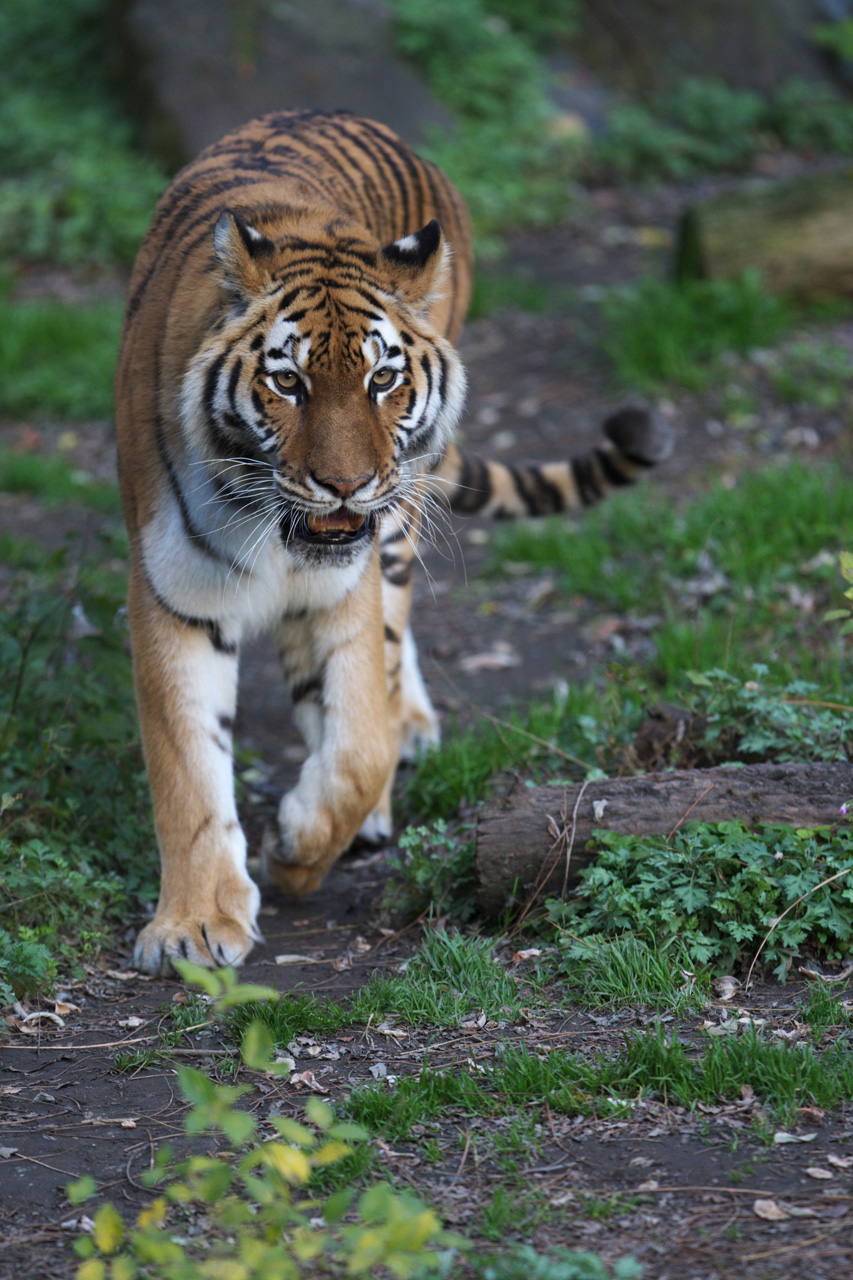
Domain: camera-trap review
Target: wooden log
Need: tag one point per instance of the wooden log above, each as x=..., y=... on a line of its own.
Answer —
x=798, y=234
x=519, y=840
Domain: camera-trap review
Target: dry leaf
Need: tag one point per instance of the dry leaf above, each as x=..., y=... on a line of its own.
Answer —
x=386, y=1029
x=651, y=1184
x=38, y=1016
x=500, y=656
x=361, y=946
x=780, y=1137
x=64, y=1009
x=527, y=954
x=132, y=1023
x=309, y=1080
x=379, y=1071
x=341, y=963
x=840, y=1162
x=292, y=958
x=128, y=1123
x=769, y=1210
x=123, y=975
x=815, y=1171
x=7, y=1152
x=598, y=807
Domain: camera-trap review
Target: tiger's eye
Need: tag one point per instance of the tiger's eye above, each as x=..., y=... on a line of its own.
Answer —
x=383, y=378
x=286, y=380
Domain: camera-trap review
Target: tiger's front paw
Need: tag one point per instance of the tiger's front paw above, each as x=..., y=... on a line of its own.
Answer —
x=211, y=941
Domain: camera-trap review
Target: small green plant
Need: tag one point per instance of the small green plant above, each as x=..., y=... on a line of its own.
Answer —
x=510, y=1213
x=301, y=1014
x=657, y=333
x=719, y=889
x=260, y=1217
x=845, y=615
x=27, y=966
x=761, y=719
x=703, y=125
x=436, y=870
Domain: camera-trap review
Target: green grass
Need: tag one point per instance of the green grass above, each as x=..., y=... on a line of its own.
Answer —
x=656, y=332
x=55, y=481
x=651, y=1066
x=176, y=1023
x=719, y=578
x=632, y=970
x=450, y=978
x=58, y=360
x=297, y=1015
x=77, y=849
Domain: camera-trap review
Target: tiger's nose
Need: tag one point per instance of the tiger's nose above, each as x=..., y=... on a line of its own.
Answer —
x=344, y=486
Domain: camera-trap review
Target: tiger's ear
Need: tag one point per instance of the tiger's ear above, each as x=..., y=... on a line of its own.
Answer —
x=418, y=264
x=242, y=252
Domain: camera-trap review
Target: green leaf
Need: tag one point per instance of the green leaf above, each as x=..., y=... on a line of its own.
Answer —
x=81, y=1190
x=196, y=975
x=294, y=1132
x=108, y=1232
x=319, y=1113
x=257, y=1046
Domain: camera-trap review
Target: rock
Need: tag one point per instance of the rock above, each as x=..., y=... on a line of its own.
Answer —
x=190, y=70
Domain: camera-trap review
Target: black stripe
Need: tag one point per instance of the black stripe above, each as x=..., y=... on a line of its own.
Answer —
x=214, y=632
x=609, y=463
x=303, y=689
x=474, y=489
x=391, y=635
x=537, y=494
x=586, y=479
x=194, y=535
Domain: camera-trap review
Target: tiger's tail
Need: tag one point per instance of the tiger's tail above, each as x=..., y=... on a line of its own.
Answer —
x=636, y=440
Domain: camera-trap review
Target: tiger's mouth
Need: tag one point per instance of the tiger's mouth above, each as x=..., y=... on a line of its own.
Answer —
x=334, y=528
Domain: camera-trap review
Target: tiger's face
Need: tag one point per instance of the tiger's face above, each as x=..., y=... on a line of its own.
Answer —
x=324, y=390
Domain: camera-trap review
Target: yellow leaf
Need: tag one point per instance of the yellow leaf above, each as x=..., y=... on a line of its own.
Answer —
x=122, y=1269
x=94, y=1269
x=290, y=1162
x=109, y=1229
x=330, y=1153
x=153, y=1215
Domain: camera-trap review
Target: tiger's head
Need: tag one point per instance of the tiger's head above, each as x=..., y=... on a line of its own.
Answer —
x=324, y=387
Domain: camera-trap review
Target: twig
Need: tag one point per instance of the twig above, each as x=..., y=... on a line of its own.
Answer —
x=462, y=1161
x=779, y=919
x=790, y=1248
x=686, y=815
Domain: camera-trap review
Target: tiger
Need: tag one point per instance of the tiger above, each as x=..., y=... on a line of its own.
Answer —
x=287, y=391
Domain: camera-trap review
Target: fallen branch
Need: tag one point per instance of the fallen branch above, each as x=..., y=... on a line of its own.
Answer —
x=516, y=833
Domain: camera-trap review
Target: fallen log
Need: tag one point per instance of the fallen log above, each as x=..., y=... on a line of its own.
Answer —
x=798, y=234
x=523, y=837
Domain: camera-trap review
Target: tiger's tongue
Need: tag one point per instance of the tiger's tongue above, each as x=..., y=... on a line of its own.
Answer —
x=336, y=520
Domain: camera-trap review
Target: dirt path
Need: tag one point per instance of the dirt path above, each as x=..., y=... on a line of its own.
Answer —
x=675, y=1189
